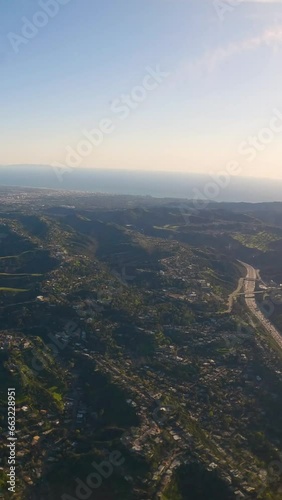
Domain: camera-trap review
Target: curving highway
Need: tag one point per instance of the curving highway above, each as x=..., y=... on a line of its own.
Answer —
x=249, y=287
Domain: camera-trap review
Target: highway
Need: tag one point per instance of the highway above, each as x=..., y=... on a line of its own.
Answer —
x=249, y=288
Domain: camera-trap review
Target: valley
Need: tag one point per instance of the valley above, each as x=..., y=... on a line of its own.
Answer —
x=119, y=336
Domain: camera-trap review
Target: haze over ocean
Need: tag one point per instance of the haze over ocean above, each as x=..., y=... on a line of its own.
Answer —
x=158, y=184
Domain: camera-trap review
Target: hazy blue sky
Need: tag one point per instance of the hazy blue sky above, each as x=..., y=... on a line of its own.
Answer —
x=61, y=79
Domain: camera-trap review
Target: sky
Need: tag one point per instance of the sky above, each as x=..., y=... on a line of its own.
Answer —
x=175, y=85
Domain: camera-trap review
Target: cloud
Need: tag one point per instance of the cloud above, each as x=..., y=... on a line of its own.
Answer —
x=260, y=1
x=207, y=63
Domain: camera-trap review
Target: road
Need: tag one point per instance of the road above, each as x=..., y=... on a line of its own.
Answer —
x=249, y=287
